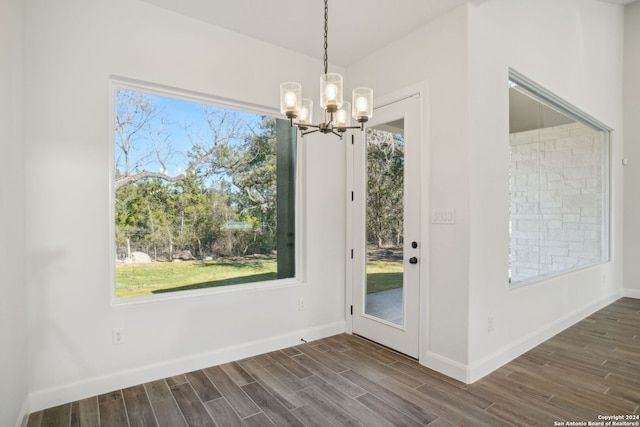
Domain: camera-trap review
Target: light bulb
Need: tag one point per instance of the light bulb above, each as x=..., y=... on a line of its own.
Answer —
x=304, y=115
x=305, y=112
x=331, y=91
x=362, y=105
x=341, y=117
x=290, y=100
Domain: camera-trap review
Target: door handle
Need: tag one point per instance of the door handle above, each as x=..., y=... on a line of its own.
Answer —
x=413, y=260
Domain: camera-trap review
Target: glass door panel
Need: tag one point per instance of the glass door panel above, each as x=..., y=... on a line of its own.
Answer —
x=385, y=221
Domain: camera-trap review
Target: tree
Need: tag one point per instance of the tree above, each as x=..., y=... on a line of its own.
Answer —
x=191, y=216
x=224, y=198
x=142, y=140
x=138, y=121
x=385, y=188
x=129, y=218
x=255, y=179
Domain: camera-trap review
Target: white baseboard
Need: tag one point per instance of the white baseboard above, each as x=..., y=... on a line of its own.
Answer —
x=631, y=293
x=42, y=399
x=503, y=356
x=444, y=365
x=473, y=372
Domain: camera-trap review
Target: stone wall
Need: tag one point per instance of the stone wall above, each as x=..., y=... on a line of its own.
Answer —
x=557, y=198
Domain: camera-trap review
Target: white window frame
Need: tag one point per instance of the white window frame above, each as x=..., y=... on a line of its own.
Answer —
x=582, y=117
x=117, y=82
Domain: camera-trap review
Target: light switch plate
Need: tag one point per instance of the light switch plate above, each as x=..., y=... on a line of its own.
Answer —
x=443, y=216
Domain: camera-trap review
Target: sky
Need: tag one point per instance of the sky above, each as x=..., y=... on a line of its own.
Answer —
x=176, y=126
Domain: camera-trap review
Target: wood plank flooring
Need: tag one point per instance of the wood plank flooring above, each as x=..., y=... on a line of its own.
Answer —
x=589, y=370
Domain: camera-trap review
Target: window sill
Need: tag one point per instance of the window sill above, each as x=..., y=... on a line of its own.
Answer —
x=205, y=292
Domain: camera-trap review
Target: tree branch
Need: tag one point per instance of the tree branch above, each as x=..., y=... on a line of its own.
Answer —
x=130, y=179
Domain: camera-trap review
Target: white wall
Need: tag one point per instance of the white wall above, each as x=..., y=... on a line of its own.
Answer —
x=574, y=49
x=13, y=309
x=436, y=55
x=72, y=47
x=632, y=149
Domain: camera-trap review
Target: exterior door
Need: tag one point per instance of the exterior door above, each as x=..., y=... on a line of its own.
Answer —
x=386, y=219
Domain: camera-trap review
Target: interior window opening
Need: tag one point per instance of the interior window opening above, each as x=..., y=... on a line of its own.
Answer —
x=558, y=185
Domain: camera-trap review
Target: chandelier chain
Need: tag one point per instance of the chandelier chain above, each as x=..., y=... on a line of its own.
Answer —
x=326, y=31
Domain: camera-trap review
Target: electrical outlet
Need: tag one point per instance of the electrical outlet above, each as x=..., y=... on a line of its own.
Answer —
x=118, y=336
x=490, y=324
x=301, y=305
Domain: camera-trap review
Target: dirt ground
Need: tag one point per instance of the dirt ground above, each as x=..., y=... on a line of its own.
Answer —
x=387, y=253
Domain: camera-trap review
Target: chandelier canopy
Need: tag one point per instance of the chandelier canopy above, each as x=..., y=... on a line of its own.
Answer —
x=337, y=113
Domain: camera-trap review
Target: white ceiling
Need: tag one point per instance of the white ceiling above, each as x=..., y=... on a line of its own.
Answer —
x=356, y=27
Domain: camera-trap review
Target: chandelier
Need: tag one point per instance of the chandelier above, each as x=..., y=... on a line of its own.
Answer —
x=337, y=113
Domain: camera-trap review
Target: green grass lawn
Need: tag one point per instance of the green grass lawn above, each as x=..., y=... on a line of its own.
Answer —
x=134, y=280
x=383, y=276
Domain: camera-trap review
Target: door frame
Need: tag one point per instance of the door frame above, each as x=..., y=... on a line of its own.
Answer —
x=421, y=90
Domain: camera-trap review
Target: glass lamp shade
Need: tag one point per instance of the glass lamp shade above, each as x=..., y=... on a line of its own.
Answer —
x=362, y=104
x=342, y=116
x=290, y=99
x=305, y=117
x=331, y=92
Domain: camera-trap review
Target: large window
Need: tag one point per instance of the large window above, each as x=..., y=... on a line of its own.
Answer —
x=204, y=194
x=559, y=185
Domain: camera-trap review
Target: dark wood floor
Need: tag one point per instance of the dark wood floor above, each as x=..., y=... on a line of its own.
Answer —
x=589, y=370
